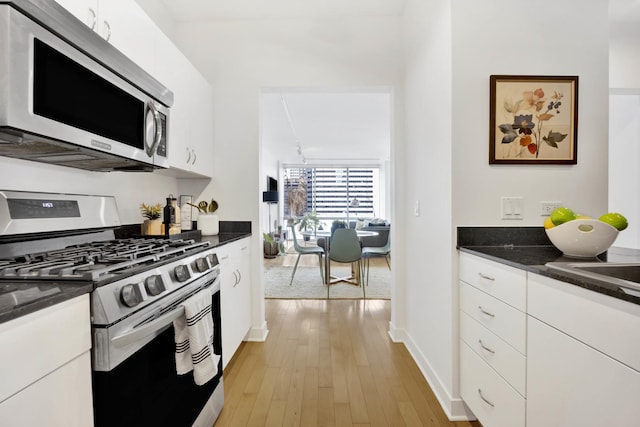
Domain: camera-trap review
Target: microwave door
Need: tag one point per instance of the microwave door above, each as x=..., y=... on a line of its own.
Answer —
x=63, y=107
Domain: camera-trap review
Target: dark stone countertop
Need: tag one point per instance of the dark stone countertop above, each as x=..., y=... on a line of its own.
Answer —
x=224, y=238
x=525, y=248
x=42, y=295
x=229, y=231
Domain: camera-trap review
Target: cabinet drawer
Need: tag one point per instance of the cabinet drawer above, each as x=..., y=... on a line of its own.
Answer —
x=506, y=283
x=500, y=318
x=607, y=324
x=509, y=363
x=493, y=401
x=36, y=344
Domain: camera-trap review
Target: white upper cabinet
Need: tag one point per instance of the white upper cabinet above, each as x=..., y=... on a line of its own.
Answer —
x=130, y=30
x=123, y=24
x=85, y=10
x=191, y=131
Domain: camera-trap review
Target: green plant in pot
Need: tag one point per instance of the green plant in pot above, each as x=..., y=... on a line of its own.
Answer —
x=309, y=221
x=152, y=224
x=208, y=221
x=270, y=246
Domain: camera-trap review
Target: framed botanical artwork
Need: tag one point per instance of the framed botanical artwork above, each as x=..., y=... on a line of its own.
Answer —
x=533, y=120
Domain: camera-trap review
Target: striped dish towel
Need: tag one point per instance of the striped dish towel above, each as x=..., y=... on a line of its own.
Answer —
x=194, y=339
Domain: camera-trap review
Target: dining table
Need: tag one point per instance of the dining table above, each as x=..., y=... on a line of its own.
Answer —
x=327, y=262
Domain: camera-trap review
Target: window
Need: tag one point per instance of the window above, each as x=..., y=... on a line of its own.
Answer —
x=344, y=193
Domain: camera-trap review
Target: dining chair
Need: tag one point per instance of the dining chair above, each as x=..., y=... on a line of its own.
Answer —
x=305, y=250
x=345, y=248
x=369, y=251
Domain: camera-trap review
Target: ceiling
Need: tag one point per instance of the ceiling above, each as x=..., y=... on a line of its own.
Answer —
x=328, y=127
x=349, y=127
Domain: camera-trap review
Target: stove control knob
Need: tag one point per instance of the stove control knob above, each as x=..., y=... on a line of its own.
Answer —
x=154, y=285
x=182, y=273
x=201, y=265
x=213, y=259
x=130, y=295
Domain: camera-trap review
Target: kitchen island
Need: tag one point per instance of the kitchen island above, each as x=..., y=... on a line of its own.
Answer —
x=540, y=347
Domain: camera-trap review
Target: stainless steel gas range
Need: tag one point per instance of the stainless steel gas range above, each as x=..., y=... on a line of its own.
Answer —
x=52, y=241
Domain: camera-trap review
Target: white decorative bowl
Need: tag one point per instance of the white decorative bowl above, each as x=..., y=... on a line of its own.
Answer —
x=582, y=238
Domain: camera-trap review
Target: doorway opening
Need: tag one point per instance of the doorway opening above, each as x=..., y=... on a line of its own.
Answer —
x=331, y=154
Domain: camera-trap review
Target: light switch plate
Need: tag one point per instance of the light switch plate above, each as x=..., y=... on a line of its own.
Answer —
x=512, y=207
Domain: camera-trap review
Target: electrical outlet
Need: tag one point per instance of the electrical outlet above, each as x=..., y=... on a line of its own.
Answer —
x=547, y=207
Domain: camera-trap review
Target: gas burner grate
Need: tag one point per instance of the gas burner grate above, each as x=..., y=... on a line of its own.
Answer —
x=96, y=260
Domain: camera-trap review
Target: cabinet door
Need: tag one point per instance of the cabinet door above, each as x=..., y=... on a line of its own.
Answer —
x=130, y=30
x=190, y=131
x=61, y=399
x=235, y=296
x=85, y=10
x=571, y=384
x=200, y=124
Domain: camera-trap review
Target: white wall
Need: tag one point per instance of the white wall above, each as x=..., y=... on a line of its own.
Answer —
x=624, y=128
x=624, y=160
x=427, y=307
x=130, y=189
x=624, y=55
x=241, y=58
x=452, y=49
x=558, y=41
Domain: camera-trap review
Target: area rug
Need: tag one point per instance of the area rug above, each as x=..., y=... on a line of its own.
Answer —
x=308, y=285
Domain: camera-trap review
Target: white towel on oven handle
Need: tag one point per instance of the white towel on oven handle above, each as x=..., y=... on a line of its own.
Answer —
x=194, y=339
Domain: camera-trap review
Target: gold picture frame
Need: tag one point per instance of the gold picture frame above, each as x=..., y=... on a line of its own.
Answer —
x=533, y=119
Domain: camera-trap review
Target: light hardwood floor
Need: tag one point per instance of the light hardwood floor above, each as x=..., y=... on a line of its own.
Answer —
x=328, y=363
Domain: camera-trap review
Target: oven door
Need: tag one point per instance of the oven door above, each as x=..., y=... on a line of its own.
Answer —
x=145, y=389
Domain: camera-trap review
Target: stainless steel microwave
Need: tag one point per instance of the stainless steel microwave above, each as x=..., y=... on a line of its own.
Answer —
x=67, y=97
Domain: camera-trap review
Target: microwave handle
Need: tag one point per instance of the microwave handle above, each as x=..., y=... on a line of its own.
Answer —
x=153, y=124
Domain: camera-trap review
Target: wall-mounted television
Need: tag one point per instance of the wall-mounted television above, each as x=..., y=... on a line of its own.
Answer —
x=272, y=184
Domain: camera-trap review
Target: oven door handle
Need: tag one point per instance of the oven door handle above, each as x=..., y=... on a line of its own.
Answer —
x=143, y=331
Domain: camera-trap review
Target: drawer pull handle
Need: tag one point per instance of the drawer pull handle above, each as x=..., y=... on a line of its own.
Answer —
x=484, y=276
x=485, y=312
x=483, y=398
x=484, y=347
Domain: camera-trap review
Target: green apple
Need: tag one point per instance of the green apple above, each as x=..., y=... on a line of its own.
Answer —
x=615, y=219
x=562, y=215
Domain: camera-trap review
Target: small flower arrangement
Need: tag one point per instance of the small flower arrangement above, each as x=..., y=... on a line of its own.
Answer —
x=151, y=211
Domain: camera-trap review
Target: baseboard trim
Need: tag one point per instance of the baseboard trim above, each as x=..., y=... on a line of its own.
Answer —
x=454, y=408
x=257, y=334
x=397, y=335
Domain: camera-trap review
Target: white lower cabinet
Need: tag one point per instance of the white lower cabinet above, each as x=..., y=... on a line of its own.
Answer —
x=571, y=384
x=491, y=398
x=493, y=341
x=583, y=357
x=46, y=367
x=235, y=295
x=539, y=352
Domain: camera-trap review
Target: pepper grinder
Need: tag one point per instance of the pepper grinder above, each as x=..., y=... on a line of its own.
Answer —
x=169, y=215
